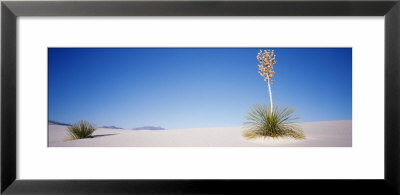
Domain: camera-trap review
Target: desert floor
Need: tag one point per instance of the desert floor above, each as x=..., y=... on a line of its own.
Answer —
x=318, y=134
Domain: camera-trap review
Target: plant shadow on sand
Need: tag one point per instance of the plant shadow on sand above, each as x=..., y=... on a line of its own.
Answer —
x=91, y=137
x=94, y=136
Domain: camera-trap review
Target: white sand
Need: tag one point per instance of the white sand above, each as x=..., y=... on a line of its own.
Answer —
x=318, y=134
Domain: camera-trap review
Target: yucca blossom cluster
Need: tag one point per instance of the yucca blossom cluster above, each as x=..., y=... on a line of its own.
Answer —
x=266, y=69
x=267, y=63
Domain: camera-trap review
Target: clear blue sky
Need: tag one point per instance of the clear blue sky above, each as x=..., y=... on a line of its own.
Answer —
x=193, y=88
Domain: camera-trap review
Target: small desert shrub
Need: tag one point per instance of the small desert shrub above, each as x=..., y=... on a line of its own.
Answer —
x=261, y=122
x=81, y=129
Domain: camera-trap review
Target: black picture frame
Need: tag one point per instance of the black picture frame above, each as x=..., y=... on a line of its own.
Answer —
x=11, y=10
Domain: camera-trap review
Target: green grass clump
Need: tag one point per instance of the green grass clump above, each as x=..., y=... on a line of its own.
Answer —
x=81, y=129
x=262, y=123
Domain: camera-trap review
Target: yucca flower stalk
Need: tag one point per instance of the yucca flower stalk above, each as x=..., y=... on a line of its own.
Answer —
x=267, y=62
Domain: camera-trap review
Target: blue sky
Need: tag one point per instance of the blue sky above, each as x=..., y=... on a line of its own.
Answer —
x=194, y=87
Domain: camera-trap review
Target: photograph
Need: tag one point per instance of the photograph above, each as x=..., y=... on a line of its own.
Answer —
x=200, y=97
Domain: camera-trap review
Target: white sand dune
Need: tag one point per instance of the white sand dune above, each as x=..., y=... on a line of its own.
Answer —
x=318, y=134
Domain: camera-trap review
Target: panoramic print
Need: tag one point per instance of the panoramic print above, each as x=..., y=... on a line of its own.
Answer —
x=199, y=97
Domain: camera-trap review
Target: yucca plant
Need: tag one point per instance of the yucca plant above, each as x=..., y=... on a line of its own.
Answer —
x=270, y=121
x=261, y=122
x=81, y=129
